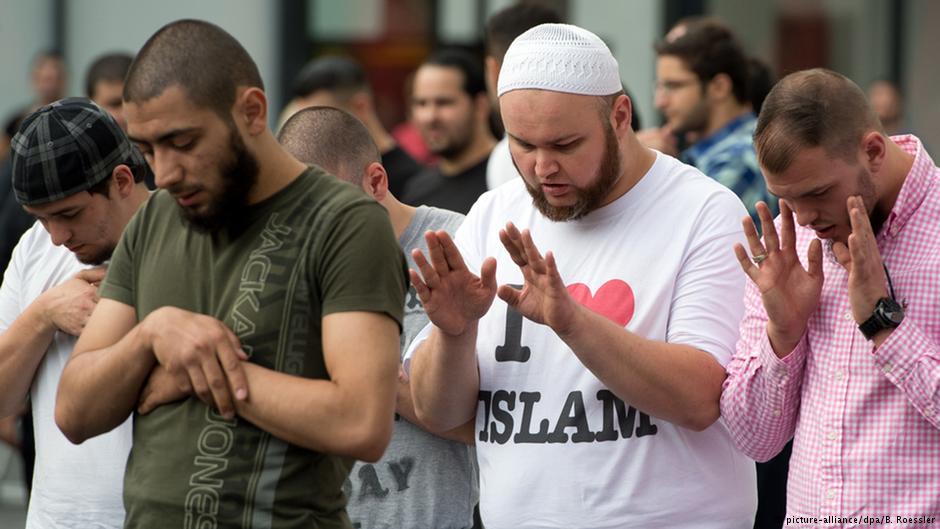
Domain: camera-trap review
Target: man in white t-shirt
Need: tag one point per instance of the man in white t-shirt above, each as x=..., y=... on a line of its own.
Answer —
x=594, y=381
x=77, y=173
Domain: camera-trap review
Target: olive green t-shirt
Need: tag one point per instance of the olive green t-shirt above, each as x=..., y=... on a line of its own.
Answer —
x=316, y=247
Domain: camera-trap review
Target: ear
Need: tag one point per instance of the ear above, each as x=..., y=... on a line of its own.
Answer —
x=122, y=179
x=874, y=150
x=621, y=114
x=251, y=110
x=375, y=181
x=720, y=87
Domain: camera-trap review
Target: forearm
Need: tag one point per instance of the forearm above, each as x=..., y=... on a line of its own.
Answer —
x=406, y=409
x=761, y=395
x=22, y=348
x=99, y=388
x=317, y=414
x=678, y=383
x=910, y=359
x=445, y=380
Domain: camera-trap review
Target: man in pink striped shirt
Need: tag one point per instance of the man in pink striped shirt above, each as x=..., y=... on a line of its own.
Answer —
x=840, y=343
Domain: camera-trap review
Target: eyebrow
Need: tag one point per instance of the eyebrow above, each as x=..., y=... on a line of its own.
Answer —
x=167, y=136
x=58, y=213
x=555, y=141
x=814, y=191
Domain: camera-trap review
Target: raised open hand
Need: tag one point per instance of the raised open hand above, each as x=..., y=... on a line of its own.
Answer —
x=453, y=297
x=861, y=258
x=790, y=293
x=543, y=298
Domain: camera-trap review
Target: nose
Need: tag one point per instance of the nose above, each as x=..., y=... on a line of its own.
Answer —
x=166, y=171
x=659, y=99
x=804, y=216
x=59, y=233
x=545, y=165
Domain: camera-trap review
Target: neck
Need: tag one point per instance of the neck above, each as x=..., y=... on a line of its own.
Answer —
x=723, y=114
x=399, y=214
x=636, y=161
x=483, y=142
x=276, y=168
x=896, y=167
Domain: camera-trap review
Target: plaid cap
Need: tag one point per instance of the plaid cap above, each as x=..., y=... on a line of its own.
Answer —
x=67, y=147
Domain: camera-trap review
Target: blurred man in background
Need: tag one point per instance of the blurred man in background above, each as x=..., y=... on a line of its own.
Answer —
x=452, y=111
x=702, y=90
x=340, y=82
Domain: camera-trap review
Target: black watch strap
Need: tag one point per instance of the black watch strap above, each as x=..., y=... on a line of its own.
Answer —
x=888, y=314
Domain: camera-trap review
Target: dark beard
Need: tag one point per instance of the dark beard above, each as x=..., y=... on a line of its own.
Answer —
x=227, y=210
x=696, y=121
x=590, y=197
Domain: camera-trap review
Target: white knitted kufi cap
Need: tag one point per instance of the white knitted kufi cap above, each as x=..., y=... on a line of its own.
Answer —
x=561, y=58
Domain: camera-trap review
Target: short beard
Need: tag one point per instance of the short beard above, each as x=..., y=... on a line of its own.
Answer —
x=590, y=197
x=865, y=188
x=697, y=119
x=99, y=258
x=227, y=210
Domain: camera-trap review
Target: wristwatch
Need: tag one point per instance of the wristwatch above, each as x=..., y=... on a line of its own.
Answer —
x=888, y=314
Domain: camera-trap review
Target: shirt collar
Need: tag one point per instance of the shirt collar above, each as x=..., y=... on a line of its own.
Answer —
x=703, y=145
x=917, y=184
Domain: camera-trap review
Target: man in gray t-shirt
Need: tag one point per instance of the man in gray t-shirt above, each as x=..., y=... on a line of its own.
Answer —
x=424, y=481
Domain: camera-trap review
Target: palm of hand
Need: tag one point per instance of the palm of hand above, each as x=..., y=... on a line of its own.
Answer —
x=789, y=292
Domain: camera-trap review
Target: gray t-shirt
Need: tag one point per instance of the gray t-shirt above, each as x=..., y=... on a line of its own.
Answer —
x=422, y=481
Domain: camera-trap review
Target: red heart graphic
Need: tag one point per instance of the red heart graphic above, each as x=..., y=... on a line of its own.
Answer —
x=613, y=300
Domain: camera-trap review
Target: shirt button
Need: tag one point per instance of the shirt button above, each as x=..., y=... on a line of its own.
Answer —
x=831, y=494
x=887, y=368
x=833, y=436
x=928, y=412
x=847, y=315
x=839, y=375
x=777, y=413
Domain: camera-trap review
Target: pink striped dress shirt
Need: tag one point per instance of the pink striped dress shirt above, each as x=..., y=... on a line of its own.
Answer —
x=865, y=421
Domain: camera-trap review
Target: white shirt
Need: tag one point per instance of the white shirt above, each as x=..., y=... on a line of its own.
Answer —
x=73, y=486
x=499, y=167
x=555, y=447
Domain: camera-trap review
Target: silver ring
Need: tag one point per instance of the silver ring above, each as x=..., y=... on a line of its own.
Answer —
x=759, y=258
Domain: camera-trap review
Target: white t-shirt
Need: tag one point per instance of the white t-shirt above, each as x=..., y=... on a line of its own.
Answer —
x=499, y=167
x=555, y=447
x=73, y=486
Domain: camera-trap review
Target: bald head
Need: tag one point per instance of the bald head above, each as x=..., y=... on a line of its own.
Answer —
x=812, y=108
x=331, y=138
x=201, y=58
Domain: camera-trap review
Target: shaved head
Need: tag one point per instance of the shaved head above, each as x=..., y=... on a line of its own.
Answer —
x=331, y=138
x=202, y=58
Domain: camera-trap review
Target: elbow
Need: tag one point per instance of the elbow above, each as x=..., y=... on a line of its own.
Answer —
x=430, y=421
x=368, y=444
x=701, y=418
x=69, y=426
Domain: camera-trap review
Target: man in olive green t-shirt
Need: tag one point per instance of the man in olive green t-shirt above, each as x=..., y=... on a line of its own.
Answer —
x=251, y=310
